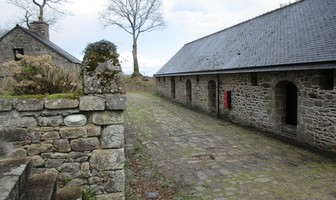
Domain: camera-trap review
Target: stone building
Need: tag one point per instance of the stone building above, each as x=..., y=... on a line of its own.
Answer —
x=275, y=72
x=34, y=41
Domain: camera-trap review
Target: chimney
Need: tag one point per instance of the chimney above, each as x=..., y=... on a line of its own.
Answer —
x=40, y=28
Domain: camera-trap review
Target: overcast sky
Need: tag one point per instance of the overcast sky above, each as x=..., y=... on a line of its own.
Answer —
x=187, y=20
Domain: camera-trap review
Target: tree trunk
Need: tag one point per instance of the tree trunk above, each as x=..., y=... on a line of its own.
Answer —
x=136, y=71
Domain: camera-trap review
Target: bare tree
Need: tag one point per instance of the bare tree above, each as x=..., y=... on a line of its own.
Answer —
x=48, y=11
x=134, y=17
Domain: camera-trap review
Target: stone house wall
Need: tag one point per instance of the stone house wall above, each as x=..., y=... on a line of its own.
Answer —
x=263, y=106
x=32, y=47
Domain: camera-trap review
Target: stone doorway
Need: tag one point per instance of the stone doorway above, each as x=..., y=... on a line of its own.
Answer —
x=188, y=92
x=212, y=94
x=173, y=91
x=286, y=104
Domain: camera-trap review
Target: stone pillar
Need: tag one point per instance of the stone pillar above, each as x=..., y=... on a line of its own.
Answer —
x=105, y=100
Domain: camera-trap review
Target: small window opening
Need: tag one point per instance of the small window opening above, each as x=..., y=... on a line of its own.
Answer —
x=16, y=52
x=164, y=79
x=197, y=79
x=327, y=79
x=254, y=79
x=180, y=78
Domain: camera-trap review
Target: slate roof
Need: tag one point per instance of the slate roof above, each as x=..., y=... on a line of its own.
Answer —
x=304, y=32
x=47, y=43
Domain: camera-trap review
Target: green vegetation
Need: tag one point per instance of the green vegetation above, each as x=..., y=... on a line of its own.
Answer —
x=36, y=75
x=43, y=96
x=139, y=83
x=99, y=52
x=88, y=195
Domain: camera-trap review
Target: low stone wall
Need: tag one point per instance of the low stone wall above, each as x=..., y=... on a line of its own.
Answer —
x=91, y=155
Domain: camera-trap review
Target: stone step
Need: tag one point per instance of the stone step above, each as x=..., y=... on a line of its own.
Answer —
x=69, y=193
x=14, y=175
x=41, y=187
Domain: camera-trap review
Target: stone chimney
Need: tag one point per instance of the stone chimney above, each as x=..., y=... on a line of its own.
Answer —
x=40, y=28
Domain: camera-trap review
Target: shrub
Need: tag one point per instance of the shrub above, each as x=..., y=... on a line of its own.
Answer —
x=36, y=75
x=99, y=52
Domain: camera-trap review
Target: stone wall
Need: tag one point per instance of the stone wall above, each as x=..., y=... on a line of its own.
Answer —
x=262, y=104
x=19, y=39
x=81, y=139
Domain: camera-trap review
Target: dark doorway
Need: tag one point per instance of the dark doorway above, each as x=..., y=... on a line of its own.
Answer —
x=291, y=104
x=173, y=92
x=212, y=94
x=188, y=91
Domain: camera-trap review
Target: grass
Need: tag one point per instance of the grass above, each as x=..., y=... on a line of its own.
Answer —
x=142, y=83
x=43, y=96
x=88, y=195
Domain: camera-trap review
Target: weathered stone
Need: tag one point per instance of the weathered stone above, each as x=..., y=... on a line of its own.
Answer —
x=85, y=144
x=73, y=132
x=112, y=137
x=112, y=159
x=46, y=129
x=53, y=163
x=13, y=134
x=38, y=161
x=69, y=167
x=62, y=145
x=77, y=182
x=93, y=130
x=116, y=101
x=34, y=135
x=28, y=104
x=77, y=157
x=59, y=155
x=90, y=103
x=61, y=104
x=36, y=149
x=82, y=174
x=51, y=121
x=19, y=152
x=50, y=136
x=93, y=180
x=108, y=118
x=5, y=105
x=28, y=122
x=116, y=182
x=85, y=166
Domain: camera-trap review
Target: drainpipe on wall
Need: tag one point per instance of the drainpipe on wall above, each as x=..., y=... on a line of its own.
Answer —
x=218, y=104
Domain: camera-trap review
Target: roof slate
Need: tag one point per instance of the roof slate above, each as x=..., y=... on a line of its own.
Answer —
x=48, y=43
x=304, y=32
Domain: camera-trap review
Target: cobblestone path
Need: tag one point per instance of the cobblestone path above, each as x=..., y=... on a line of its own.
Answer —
x=215, y=159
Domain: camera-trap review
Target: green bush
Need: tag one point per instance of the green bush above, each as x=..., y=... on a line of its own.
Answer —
x=99, y=52
x=36, y=75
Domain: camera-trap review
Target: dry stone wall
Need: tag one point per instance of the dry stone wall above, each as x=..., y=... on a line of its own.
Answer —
x=82, y=139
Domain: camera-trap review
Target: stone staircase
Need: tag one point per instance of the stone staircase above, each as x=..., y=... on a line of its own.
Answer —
x=17, y=183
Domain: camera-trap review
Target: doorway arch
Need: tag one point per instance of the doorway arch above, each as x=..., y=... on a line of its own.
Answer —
x=286, y=106
x=188, y=92
x=212, y=94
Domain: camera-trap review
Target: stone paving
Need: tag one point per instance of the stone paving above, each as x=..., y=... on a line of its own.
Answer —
x=214, y=159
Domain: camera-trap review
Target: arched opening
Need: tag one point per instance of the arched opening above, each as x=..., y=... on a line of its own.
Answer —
x=173, y=91
x=188, y=91
x=212, y=94
x=286, y=107
x=291, y=104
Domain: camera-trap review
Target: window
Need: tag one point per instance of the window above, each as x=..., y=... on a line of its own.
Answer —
x=164, y=79
x=254, y=79
x=180, y=78
x=327, y=79
x=16, y=52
